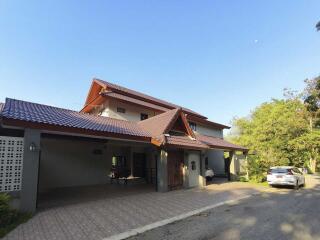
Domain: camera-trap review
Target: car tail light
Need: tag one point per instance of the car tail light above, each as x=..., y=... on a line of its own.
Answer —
x=289, y=172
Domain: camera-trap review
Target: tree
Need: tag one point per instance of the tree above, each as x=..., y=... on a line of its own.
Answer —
x=311, y=96
x=306, y=149
x=268, y=131
x=318, y=26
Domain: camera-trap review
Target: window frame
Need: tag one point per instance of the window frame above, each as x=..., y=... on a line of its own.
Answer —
x=143, y=115
x=193, y=126
x=121, y=110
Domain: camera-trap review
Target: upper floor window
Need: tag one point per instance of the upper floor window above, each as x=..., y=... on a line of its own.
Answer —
x=143, y=116
x=193, y=126
x=121, y=110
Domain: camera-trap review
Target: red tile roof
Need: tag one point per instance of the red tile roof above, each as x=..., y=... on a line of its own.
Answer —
x=159, y=124
x=22, y=113
x=185, y=142
x=134, y=100
x=218, y=143
x=48, y=115
x=144, y=97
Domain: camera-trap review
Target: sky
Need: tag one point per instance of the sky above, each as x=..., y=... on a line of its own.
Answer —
x=221, y=58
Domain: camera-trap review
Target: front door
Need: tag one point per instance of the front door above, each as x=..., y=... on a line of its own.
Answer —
x=194, y=169
x=175, y=169
x=139, y=165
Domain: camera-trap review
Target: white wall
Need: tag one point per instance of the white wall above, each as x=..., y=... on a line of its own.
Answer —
x=132, y=111
x=204, y=130
x=66, y=163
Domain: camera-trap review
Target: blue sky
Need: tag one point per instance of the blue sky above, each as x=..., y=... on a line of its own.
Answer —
x=220, y=58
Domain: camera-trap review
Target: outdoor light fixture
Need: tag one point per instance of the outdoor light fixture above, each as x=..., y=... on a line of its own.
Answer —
x=32, y=147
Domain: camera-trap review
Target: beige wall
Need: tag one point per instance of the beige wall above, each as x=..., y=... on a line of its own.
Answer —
x=204, y=130
x=132, y=111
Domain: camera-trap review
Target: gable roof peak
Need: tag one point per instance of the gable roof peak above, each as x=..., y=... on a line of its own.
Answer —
x=161, y=124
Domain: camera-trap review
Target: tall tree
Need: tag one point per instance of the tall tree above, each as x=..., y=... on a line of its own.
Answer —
x=318, y=26
x=268, y=131
x=308, y=145
x=311, y=97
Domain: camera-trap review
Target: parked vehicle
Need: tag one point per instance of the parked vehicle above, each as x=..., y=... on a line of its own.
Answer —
x=285, y=176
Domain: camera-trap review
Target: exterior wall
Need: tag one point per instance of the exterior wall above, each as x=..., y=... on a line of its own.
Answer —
x=66, y=163
x=216, y=161
x=132, y=111
x=204, y=130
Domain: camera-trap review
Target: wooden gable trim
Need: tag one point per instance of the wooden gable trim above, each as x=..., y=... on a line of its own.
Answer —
x=184, y=121
x=186, y=124
x=172, y=122
x=97, y=101
x=156, y=142
x=95, y=88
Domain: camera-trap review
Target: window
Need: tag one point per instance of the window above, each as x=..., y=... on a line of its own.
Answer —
x=119, y=161
x=121, y=110
x=193, y=126
x=193, y=165
x=143, y=116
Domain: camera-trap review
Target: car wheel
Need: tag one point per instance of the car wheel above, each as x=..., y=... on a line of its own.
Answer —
x=304, y=183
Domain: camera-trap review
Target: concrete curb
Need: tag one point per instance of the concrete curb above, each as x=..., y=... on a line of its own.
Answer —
x=161, y=223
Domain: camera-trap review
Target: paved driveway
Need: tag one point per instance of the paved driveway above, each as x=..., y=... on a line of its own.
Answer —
x=103, y=217
x=282, y=213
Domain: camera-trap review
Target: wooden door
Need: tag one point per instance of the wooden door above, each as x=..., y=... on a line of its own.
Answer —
x=175, y=169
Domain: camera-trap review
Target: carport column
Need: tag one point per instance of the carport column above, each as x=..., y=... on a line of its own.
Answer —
x=247, y=165
x=233, y=165
x=202, y=180
x=185, y=169
x=28, y=193
x=162, y=171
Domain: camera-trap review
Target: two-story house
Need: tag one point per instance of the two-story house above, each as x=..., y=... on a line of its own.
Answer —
x=119, y=134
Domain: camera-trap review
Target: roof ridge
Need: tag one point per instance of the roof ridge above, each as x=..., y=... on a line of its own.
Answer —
x=146, y=97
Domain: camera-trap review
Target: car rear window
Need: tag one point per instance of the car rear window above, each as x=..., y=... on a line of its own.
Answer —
x=279, y=170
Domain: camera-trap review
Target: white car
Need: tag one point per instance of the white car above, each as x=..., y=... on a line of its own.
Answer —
x=285, y=176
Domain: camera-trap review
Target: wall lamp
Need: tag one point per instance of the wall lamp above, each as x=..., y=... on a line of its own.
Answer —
x=33, y=147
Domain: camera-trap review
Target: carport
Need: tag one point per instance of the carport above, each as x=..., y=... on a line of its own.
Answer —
x=74, y=169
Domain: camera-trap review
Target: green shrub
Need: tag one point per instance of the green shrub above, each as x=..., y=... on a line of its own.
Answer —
x=258, y=178
x=243, y=179
x=9, y=218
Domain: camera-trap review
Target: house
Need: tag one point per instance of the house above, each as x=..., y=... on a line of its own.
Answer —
x=118, y=132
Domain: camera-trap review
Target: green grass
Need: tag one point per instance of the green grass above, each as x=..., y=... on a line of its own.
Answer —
x=264, y=184
x=18, y=219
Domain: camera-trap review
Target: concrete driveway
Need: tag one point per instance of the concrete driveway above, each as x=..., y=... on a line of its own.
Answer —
x=284, y=214
x=100, y=218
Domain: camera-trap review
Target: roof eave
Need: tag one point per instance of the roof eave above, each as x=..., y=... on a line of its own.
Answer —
x=57, y=128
